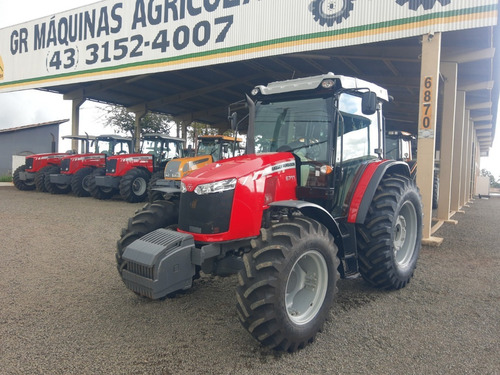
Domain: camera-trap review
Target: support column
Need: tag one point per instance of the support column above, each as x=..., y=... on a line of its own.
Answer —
x=429, y=84
x=456, y=178
x=465, y=157
x=137, y=129
x=450, y=73
x=75, y=120
x=470, y=159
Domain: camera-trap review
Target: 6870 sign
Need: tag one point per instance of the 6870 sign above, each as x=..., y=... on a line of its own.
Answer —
x=134, y=46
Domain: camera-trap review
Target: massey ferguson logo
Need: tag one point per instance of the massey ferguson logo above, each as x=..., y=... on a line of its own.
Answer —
x=331, y=12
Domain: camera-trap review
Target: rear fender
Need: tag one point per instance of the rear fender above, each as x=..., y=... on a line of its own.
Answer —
x=368, y=184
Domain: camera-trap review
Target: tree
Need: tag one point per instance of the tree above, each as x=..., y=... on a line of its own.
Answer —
x=493, y=182
x=124, y=122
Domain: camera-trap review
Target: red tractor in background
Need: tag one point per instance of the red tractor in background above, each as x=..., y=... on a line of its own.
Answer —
x=31, y=175
x=74, y=172
x=129, y=174
x=211, y=148
x=311, y=201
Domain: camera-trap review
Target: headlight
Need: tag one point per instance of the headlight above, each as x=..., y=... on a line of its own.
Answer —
x=183, y=187
x=215, y=187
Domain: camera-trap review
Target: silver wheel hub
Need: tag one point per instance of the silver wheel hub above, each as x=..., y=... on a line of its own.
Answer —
x=139, y=186
x=306, y=287
x=405, y=234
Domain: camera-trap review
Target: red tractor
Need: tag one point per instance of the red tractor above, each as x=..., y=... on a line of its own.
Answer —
x=129, y=174
x=311, y=201
x=31, y=175
x=75, y=171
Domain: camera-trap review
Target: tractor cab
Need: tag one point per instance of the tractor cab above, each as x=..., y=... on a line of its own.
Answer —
x=85, y=143
x=211, y=148
x=162, y=147
x=399, y=145
x=112, y=144
x=330, y=124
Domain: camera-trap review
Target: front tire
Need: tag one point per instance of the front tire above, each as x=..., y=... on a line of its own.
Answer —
x=152, y=216
x=80, y=182
x=134, y=185
x=40, y=178
x=389, y=241
x=23, y=185
x=55, y=188
x=100, y=192
x=288, y=283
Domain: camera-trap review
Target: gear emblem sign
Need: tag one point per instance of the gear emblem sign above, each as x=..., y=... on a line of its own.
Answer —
x=427, y=4
x=331, y=12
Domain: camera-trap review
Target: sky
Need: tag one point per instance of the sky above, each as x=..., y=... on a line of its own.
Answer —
x=33, y=106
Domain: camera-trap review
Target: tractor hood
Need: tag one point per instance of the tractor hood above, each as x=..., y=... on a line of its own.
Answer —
x=130, y=157
x=241, y=166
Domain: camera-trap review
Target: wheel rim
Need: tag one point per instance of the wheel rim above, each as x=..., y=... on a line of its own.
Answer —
x=86, y=183
x=306, y=287
x=405, y=234
x=139, y=186
x=331, y=8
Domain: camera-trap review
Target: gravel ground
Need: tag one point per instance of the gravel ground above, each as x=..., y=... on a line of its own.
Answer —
x=64, y=309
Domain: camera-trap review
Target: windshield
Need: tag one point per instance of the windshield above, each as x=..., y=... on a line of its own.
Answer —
x=112, y=147
x=300, y=126
x=163, y=149
x=208, y=147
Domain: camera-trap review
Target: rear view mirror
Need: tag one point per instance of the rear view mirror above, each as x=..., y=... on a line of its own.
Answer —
x=233, y=120
x=369, y=103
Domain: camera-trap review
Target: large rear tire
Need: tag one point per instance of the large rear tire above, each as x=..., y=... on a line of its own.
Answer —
x=22, y=184
x=389, y=241
x=100, y=192
x=134, y=185
x=80, y=182
x=55, y=188
x=152, y=216
x=435, y=191
x=40, y=178
x=288, y=283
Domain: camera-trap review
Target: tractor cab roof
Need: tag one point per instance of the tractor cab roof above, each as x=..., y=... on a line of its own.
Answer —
x=221, y=137
x=156, y=136
x=312, y=83
x=114, y=137
x=400, y=134
x=79, y=137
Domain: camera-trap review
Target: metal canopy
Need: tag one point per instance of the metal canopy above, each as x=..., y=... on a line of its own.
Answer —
x=203, y=94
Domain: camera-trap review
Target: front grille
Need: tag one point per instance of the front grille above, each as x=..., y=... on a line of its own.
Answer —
x=139, y=269
x=65, y=165
x=111, y=166
x=205, y=214
x=29, y=163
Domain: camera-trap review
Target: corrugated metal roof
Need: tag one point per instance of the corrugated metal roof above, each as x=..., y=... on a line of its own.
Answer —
x=31, y=126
